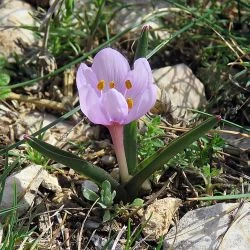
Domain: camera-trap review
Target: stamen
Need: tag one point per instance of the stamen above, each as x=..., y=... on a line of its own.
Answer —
x=128, y=84
x=130, y=103
x=112, y=84
x=101, y=85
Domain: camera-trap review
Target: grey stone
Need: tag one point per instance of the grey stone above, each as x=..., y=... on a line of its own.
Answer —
x=90, y=185
x=1, y=234
x=211, y=228
x=178, y=90
x=15, y=13
x=26, y=182
x=108, y=160
x=51, y=183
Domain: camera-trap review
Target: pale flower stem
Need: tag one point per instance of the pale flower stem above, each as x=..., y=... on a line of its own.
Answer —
x=116, y=132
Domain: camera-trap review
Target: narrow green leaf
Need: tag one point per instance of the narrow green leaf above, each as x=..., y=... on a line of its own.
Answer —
x=142, y=47
x=221, y=197
x=89, y=170
x=156, y=161
x=130, y=130
x=4, y=79
x=130, y=145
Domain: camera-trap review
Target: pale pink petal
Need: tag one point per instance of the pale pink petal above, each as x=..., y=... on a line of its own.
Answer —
x=110, y=65
x=141, y=77
x=142, y=103
x=90, y=104
x=85, y=75
x=115, y=106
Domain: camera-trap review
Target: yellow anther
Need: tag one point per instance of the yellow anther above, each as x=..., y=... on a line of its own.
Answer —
x=112, y=84
x=128, y=84
x=130, y=103
x=101, y=85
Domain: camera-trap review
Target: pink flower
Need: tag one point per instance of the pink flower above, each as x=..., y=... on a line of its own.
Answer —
x=111, y=93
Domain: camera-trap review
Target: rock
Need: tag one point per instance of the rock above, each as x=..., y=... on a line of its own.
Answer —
x=15, y=13
x=90, y=185
x=213, y=227
x=179, y=89
x=92, y=132
x=129, y=16
x=115, y=173
x=51, y=183
x=108, y=160
x=238, y=144
x=1, y=234
x=159, y=215
x=27, y=182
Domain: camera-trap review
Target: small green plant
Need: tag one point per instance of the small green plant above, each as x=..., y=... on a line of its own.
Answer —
x=105, y=199
x=150, y=141
x=199, y=158
x=4, y=78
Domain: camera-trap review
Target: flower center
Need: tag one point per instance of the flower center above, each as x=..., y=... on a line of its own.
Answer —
x=130, y=103
x=112, y=84
x=101, y=85
x=128, y=84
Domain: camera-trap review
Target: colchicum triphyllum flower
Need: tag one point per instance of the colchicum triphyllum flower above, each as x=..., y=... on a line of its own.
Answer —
x=112, y=94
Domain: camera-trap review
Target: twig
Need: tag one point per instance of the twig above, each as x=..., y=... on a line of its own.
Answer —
x=189, y=184
x=81, y=230
x=119, y=235
x=43, y=103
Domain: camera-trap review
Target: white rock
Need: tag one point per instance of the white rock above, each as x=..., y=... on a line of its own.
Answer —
x=1, y=234
x=127, y=17
x=90, y=185
x=15, y=13
x=159, y=216
x=179, y=89
x=26, y=182
x=211, y=228
x=51, y=183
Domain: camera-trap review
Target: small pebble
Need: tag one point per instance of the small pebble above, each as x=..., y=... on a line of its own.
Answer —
x=108, y=160
x=90, y=185
x=115, y=173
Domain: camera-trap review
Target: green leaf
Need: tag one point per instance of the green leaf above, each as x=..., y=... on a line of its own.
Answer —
x=2, y=62
x=4, y=79
x=107, y=196
x=142, y=47
x=130, y=130
x=69, y=6
x=137, y=202
x=106, y=216
x=130, y=145
x=90, y=195
x=156, y=161
x=89, y=170
x=221, y=197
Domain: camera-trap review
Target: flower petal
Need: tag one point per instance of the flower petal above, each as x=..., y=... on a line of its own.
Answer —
x=140, y=77
x=142, y=103
x=109, y=65
x=85, y=75
x=115, y=106
x=90, y=104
